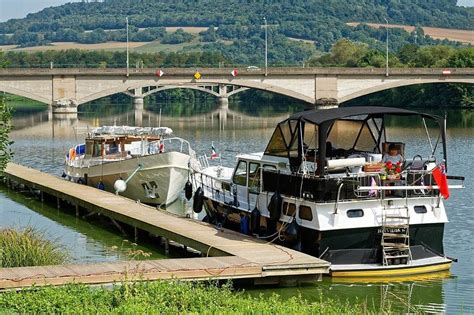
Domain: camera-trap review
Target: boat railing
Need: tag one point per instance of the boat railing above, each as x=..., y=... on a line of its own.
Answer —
x=353, y=186
x=173, y=144
x=410, y=184
x=213, y=185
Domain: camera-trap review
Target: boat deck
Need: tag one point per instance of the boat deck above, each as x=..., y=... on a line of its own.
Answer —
x=249, y=257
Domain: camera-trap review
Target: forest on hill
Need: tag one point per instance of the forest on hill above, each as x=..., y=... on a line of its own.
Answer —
x=235, y=27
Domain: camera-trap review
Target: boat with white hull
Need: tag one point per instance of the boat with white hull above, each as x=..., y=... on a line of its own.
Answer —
x=320, y=187
x=145, y=164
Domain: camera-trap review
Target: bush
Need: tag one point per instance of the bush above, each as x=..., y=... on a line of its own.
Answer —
x=28, y=247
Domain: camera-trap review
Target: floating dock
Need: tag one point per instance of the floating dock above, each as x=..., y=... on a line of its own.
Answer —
x=228, y=254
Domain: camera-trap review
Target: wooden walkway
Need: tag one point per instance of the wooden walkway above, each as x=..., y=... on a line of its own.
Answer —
x=250, y=257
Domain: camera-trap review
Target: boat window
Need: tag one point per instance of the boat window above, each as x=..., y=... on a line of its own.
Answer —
x=289, y=209
x=97, y=149
x=276, y=145
x=254, y=177
x=293, y=151
x=306, y=213
x=269, y=167
x=286, y=132
x=310, y=138
x=365, y=140
x=420, y=209
x=89, y=148
x=240, y=175
x=343, y=133
x=355, y=213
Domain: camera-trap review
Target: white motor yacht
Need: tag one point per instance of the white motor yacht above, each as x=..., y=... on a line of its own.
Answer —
x=321, y=187
x=145, y=164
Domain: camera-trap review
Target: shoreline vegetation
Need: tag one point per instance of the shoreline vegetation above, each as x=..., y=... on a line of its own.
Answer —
x=29, y=247
x=165, y=297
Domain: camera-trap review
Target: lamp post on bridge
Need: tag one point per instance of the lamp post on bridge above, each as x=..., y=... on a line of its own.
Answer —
x=128, y=60
x=386, y=61
x=266, y=46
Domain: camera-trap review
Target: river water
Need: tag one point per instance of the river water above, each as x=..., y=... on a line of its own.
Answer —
x=42, y=139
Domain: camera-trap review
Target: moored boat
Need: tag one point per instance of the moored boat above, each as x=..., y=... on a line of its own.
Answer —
x=145, y=164
x=329, y=184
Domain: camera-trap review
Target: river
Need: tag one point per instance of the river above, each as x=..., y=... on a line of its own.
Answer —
x=41, y=141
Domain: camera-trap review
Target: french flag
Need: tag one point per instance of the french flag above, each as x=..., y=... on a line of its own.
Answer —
x=214, y=154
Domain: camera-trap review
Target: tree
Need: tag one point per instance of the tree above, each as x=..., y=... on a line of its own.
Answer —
x=209, y=35
x=177, y=37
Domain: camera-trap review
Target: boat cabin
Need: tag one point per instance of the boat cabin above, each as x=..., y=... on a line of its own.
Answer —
x=119, y=146
x=323, y=148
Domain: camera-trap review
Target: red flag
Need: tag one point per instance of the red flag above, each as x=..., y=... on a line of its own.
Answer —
x=441, y=180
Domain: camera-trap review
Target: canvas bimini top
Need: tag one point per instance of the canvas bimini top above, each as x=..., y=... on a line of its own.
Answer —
x=319, y=116
x=318, y=134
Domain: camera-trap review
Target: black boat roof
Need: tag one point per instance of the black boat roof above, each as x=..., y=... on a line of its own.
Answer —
x=319, y=116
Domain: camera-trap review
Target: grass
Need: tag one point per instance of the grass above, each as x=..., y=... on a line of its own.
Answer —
x=163, y=298
x=28, y=247
x=188, y=29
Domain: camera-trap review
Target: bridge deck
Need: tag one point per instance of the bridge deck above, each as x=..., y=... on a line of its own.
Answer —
x=253, y=258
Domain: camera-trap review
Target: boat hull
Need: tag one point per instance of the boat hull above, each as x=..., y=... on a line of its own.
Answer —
x=415, y=267
x=357, y=252
x=160, y=179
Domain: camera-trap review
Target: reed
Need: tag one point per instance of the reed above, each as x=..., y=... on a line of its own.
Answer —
x=28, y=247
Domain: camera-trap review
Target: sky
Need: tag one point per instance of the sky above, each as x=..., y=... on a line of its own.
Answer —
x=10, y=9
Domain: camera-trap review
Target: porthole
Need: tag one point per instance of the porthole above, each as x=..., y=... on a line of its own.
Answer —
x=289, y=209
x=305, y=213
x=355, y=213
x=420, y=209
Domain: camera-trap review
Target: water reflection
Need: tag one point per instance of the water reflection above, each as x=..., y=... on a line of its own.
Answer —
x=85, y=242
x=419, y=294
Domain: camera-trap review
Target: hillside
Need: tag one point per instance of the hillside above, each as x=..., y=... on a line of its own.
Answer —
x=240, y=22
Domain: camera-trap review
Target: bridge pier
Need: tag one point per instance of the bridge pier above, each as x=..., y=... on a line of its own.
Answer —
x=326, y=103
x=138, y=103
x=64, y=106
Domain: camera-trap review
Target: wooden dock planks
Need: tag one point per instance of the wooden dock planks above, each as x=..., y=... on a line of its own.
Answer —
x=247, y=253
x=102, y=273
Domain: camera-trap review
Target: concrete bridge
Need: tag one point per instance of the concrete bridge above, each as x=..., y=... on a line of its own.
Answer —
x=67, y=88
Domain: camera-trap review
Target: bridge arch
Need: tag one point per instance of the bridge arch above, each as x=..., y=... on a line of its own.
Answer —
x=32, y=96
x=399, y=83
x=196, y=85
x=171, y=87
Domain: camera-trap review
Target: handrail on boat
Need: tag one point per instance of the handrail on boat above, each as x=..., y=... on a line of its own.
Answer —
x=338, y=196
x=155, y=144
